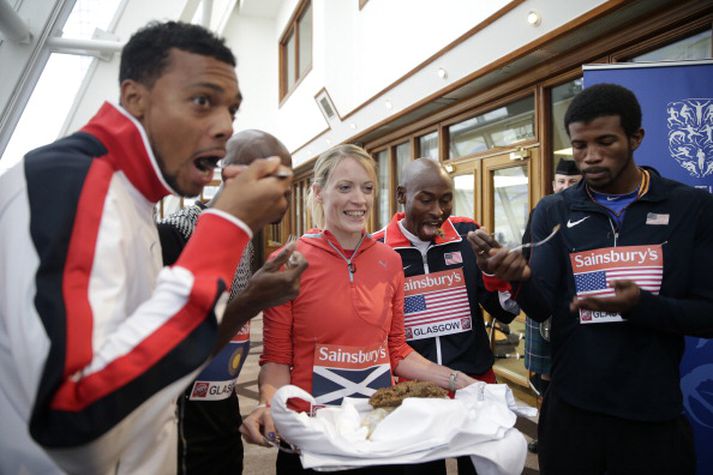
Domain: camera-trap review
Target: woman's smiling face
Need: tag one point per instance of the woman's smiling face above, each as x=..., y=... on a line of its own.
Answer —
x=347, y=199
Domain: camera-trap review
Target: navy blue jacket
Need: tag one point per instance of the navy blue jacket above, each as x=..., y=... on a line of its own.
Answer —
x=469, y=351
x=626, y=369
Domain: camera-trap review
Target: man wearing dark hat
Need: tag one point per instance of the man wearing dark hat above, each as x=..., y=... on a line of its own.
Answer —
x=566, y=175
x=537, y=346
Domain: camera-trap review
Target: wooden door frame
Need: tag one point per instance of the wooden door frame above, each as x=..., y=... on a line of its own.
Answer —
x=465, y=167
x=499, y=162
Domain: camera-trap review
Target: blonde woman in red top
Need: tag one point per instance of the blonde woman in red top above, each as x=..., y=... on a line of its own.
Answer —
x=343, y=335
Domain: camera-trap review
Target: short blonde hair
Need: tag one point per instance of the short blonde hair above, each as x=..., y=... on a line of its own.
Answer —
x=323, y=167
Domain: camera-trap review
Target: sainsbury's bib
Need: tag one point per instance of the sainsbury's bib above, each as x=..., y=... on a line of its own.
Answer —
x=217, y=380
x=596, y=269
x=340, y=371
x=436, y=305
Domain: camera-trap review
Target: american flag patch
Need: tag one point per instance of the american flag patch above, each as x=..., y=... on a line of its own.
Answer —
x=657, y=219
x=453, y=258
x=595, y=270
x=436, y=304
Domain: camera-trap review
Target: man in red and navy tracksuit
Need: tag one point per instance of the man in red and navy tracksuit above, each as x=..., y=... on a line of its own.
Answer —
x=96, y=338
x=444, y=288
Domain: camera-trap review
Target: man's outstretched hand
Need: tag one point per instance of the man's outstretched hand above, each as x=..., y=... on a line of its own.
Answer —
x=276, y=282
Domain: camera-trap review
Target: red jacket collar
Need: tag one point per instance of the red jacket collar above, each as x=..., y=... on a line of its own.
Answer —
x=322, y=238
x=129, y=150
x=393, y=236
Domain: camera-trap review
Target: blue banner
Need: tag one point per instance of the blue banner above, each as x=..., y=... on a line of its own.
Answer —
x=677, y=104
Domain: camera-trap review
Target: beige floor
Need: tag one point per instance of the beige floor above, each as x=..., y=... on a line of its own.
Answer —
x=260, y=460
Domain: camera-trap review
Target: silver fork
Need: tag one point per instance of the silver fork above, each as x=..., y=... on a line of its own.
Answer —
x=538, y=243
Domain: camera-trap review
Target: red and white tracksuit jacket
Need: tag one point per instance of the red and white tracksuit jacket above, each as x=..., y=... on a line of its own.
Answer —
x=96, y=339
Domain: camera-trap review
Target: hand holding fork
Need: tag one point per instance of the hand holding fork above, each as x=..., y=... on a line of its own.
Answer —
x=555, y=228
x=493, y=259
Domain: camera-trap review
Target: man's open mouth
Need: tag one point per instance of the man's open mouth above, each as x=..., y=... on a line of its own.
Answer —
x=207, y=163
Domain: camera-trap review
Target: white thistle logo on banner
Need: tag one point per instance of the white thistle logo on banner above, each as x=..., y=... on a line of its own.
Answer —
x=690, y=134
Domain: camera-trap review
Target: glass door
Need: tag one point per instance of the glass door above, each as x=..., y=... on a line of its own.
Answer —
x=508, y=194
x=464, y=195
x=508, y=184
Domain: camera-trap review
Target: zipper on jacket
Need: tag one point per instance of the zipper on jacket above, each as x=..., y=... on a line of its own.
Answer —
x=350, y=266
x=614, y=231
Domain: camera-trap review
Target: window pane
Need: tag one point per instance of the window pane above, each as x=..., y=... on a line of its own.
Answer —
x=62, y=72
x=290, y=61
x=429, y=145
x=502, y=127
x=561, y=97
x=463, y=197
x=510, y=204
x=383, y=213
x=403, y=156
x=694, y=47
x=87, y=15
x=305, y=36
x=63, y=69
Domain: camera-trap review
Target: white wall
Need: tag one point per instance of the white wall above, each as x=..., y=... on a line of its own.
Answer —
x=356, y=54
x=359, y=53
x=386, y=39
x=251, y=39
x=298, y=117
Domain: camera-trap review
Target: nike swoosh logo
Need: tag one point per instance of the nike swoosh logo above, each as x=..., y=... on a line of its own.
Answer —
x=612, y=198
x=571, y=224
x=406, y=267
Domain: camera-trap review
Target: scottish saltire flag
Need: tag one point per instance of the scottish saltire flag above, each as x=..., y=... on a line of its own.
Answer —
x=436, y=305
x=347, y=371
x=595, y=270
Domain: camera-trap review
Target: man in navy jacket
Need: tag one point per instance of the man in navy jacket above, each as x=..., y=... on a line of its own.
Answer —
x=625, y=278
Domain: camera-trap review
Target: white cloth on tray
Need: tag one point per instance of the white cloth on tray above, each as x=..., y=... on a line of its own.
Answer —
x=479, y=422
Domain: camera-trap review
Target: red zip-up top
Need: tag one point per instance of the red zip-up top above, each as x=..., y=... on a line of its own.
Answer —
x=336, y=306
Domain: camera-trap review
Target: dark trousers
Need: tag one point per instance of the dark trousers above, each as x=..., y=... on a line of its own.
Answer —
x=438, y=467
x=572, y=440
x=208, y=437
x=289, y=464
